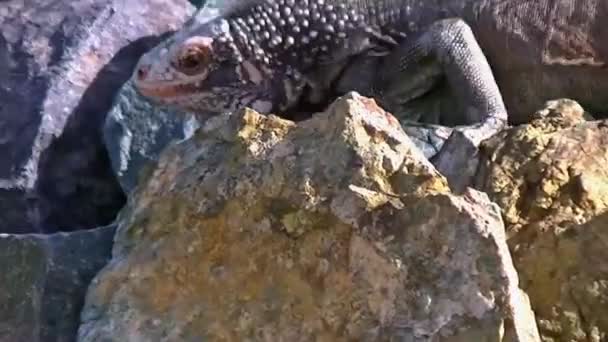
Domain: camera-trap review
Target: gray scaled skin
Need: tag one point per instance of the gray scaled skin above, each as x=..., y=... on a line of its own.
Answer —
x=269, y=54
x=538, y=51
x=407, y=82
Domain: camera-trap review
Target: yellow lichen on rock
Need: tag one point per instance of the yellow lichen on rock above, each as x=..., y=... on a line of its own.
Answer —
x=334, y=229
x=551, y=181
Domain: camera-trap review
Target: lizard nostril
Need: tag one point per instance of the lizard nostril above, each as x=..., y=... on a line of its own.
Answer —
x=142, y=71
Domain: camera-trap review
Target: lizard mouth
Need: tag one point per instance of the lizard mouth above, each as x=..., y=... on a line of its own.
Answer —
x=167, y=91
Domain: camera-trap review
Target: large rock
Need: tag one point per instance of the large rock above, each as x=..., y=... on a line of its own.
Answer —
x=43, y=281
x=336, y=228
x=550, y=179
x=61, y=63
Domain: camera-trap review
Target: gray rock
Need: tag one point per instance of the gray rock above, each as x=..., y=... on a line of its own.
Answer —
x=61, y=64
x=43, y=281
x=136, y=131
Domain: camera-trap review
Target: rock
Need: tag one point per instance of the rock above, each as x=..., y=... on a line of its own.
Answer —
x=549, y=177
x=61, y=63
x=137, y=130
x=43, y=281
x=332, y=229
x=435, y=120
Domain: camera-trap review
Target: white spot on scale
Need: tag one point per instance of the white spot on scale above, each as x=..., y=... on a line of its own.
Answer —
x=276, y=40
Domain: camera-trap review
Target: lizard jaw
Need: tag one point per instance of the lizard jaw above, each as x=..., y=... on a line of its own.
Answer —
x=166, y=91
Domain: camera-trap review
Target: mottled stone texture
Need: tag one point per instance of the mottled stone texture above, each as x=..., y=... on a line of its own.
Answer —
x=61, y=63
x=43, y=281
x=550, y=178
x=332, y=229
x=136, y=131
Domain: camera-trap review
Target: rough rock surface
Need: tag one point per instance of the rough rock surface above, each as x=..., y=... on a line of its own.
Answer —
x=550, y=179
x=136, y=131
x=43, y=281
x=61, y=63
x=333, y=229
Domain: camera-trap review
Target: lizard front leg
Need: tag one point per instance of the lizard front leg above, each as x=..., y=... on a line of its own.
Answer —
x=446, y=50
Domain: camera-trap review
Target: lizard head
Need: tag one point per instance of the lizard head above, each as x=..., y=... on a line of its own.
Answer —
x=200, y=68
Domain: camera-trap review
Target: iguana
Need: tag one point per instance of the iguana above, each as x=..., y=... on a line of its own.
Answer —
x=269, y=54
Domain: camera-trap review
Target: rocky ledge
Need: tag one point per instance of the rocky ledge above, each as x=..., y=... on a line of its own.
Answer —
x=335, y=228
x=338, y=228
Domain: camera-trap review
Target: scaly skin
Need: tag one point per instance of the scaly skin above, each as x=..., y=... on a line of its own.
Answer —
x=268, y=55
x=538, y=51
x=271, y=54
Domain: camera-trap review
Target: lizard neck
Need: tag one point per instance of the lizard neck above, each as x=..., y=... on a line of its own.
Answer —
x=297, y=33
x=409, y=16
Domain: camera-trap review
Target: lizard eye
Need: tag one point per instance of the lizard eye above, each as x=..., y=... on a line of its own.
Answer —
x=193, y=58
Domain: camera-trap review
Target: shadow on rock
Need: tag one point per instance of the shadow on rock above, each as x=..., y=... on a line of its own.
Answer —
x=92, y=196
x=60, y=68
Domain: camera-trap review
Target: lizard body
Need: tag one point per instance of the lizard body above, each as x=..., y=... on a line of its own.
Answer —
x=495, y=55
x=267, y=54
x=538, y=51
